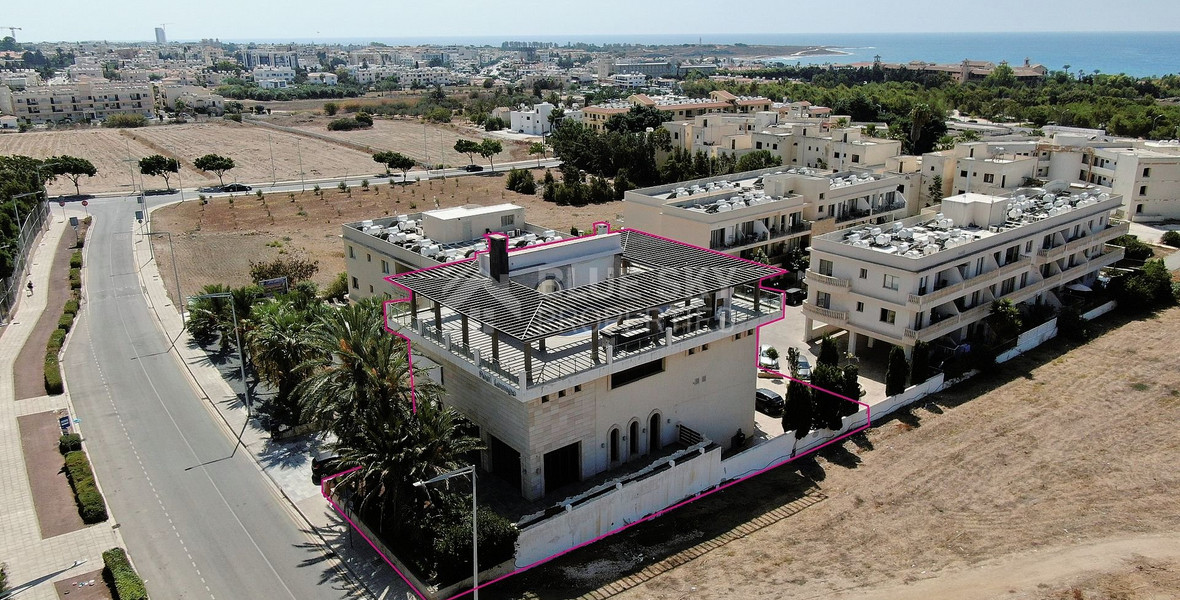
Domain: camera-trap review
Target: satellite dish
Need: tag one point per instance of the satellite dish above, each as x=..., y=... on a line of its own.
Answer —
x=1057, y=185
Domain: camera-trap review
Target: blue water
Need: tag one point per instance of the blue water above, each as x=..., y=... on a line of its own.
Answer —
x=1139, y=54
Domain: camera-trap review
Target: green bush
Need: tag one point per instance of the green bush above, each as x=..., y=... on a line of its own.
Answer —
x=125, y=120
x=451, y=544
x=66, y=322
x=1135, y=249
x=347, y=124
x=236, y=117
x=69, y=442
x=56, y=340
x=1171, y=238
x=71, y=306
x=119, y=572
x=338, y=288
x=76, y=259
x=521, y=181
x=90, y=503
x=53, y=383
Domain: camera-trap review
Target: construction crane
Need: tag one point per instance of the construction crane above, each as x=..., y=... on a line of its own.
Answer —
x=11, y=30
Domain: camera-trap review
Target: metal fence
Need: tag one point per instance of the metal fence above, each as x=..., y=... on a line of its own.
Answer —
x=13, y=285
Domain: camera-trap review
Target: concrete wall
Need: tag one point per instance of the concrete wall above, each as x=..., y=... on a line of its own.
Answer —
x=622, y=503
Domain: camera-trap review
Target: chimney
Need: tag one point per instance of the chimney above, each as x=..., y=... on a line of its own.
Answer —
x=498, y=257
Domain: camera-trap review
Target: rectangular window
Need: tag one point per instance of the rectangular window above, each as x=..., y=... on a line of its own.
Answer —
x=1147, y=171
x=356, y=285
x=890, y=282
x=888, y=316
x=825, y=267
x=962, y=173
x=351, y=252
x=864, y=273
x=368, y=258
x=855, y=158
x=370, y=289
x=860, y=307
x=823, y=300
x=1028, y=247
x=1142, y=190
x=989, y=178
x=385, y=267
x=507, y=220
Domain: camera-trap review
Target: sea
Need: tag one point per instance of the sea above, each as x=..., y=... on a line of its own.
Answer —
x=1135, y=53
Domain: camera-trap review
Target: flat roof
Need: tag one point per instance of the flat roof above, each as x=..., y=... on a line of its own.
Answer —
x=455, y=212
x=670, y=271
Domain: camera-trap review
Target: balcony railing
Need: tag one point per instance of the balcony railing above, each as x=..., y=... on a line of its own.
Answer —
x=813, y=277
x=828, y=315
x=748, y=240
x=1105, y=235
x=981, y=279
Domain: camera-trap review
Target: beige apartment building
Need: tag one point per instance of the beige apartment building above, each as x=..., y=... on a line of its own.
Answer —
x=933, y=278
x=768, y=211
x=681, y=108
x=579, y=357
x=77, y=102
x=375, y=249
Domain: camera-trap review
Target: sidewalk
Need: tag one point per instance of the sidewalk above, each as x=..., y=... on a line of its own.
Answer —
x=30, y=559
x=287, y=465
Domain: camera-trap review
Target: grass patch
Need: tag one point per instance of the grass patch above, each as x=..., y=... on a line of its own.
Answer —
x=91, y=505
x=121, y=576
x=1139, y=386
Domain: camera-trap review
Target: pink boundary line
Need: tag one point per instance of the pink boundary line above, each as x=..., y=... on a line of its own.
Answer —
x=757, y=339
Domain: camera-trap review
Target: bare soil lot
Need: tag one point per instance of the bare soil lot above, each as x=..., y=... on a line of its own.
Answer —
x=216, y=242
x=53, y=499
x=1057, y=454
x=87, y=586
x=106, y=148
x=426, y=143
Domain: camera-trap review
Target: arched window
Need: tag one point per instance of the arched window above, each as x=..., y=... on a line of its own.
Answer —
x=633, y=438
x=614, y=445
x=653, y=433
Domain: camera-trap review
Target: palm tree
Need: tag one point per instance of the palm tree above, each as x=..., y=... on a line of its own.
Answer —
x=280, y=341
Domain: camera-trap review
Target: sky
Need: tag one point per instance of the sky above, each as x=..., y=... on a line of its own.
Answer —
x=135, y=20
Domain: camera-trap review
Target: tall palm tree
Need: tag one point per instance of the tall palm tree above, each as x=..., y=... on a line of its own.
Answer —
x=280, y=340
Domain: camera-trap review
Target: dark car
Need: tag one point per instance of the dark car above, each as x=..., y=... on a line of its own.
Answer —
x=324, y=463
x=768, y=402
x=236, y=187
x=473, y=168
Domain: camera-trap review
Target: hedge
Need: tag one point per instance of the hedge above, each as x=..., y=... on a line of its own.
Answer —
x=90, y=503
x=53, y=384
x=69, y=442
x=57, y=339
x=75, y=279
x=126, y=582
x=66, y=322
x=76, y=260
x=72, y=306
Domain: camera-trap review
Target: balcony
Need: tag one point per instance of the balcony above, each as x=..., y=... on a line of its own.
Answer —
x=815, y=278
x=963, y=287
x=827, y=315
x=520, y=370
x=743, y=242
x=1046, y=254
x=853, y=215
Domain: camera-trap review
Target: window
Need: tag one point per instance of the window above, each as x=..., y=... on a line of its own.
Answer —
x=368, y=258
x=370, y=289
x=855, y=158
x=864, y=273
x=507, y=220
x=1142, y=190
x=823, y=300
x=1028, y=247
x=860, y=307
x=989, y=177
x=385, y=267
x=890, y=282
x=962, y=173
x=351, y=252
x=774, y=146
x=356, y=285
x=561, y=394
x=1147, y=171
x=758, y=145
x=825, y=267
x=888, y=316
x=577, y=388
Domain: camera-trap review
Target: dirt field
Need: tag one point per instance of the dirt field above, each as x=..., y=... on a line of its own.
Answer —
x=53, y=499
x=216, y=242
x=104, y=147
x=86, y=586
x=409, y=136
x=1058, y=474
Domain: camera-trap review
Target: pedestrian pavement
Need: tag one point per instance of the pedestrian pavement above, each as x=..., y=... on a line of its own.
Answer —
x=286, y=464
x=35, y=563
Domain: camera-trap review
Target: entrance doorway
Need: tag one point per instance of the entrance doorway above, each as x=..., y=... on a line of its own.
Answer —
x=633, y=438
x=653, y=434
x=505, y=461
x=563, y=466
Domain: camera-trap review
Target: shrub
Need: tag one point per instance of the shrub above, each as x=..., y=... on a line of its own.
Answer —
x=69, y=442
x=71, y=306
x=521, y=181
x=365, y=184
x=1135, y=249
x=53, y=384
x=896, y=373
x=76, y=260
x=294, y=268
x=344, y=125
x=119, y=572
x=258, y=193
x=1071, y=325
x=452, y=541
x=338, y=288
x=235, y=117
x=920, y=363
x=331, y=108
x=1144, y=289
x=364, y=119
x=90, y=503
x=125, y=120
x=56, y=340
x=66, y=322
x=1171, y=238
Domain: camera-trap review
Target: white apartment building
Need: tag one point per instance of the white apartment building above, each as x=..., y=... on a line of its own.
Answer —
x=534, y=121
x=322, y=78
x=268, y=58
x=192, y=96
x=768, y=211
x=814, y=144
x=629, y=80
x=270, y=78
x=76, y=101
x=1145, y=173
x=576, y=358
x=933, y=279
x=373, y=73
x=993, y=174
x=430, y=76
x=377, y=248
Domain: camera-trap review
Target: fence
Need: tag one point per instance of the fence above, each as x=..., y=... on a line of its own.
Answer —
x=12, y=285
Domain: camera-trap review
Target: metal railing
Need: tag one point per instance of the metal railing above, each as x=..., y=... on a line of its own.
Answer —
x=813, y=277
x=14, y=284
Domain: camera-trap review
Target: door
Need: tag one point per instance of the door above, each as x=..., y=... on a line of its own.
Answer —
x=653, y=433
x=562, y=467
x=505, y=462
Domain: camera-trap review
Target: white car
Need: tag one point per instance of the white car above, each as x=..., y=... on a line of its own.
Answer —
x=804, y=371
x=764, y=359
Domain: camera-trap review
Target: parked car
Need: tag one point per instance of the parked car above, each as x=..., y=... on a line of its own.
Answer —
x=804, y=372
x=795, y=296
x=768, y=402
x=324, y=463
x=236, y=187
x=473, y=168
x=764, y=359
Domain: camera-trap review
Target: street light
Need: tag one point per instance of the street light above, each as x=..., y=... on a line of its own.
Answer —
x=241, y=356
x=179, y=298
x=468, y=470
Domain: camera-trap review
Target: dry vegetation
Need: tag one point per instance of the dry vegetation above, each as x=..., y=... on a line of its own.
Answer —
x=216, y=242
x=1054, y=479
x=106, y=148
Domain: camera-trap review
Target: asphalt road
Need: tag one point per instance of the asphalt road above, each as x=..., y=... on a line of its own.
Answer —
x=200, y=520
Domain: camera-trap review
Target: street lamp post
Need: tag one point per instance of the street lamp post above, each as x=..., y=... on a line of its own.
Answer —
x=237, y=338
x=179, y=298
x=468, y=470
